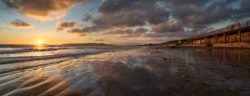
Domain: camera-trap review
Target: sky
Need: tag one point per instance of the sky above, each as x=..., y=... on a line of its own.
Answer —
x=114, y=21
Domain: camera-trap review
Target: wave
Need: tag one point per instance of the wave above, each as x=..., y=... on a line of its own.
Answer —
x=22, y=50
x=9, y=60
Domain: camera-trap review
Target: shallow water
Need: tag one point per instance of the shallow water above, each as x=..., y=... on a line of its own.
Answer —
x=130, y=71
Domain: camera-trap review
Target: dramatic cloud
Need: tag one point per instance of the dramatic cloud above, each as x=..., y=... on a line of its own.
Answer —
x=121, y=16
x=20, y=24
x=202, y=13
x=41, y=9
x=129, y=13
x=164, y=16
x=144, y=19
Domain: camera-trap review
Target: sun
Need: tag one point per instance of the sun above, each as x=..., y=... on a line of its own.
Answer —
x=39, y=42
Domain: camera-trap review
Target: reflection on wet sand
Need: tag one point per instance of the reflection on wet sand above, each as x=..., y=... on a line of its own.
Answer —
x=229, y=56
x=137, y=72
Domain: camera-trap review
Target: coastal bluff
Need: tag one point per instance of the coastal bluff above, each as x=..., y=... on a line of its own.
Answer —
x=234, y=36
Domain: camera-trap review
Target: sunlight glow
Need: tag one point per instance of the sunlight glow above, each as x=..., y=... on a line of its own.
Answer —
x=39, y=42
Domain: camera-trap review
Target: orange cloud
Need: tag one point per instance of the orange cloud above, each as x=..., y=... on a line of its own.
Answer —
x=42, y=9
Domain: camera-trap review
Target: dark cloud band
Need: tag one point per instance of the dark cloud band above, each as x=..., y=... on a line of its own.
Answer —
x=166, y=16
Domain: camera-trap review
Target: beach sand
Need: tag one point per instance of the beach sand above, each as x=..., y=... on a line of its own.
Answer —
x=139, y=71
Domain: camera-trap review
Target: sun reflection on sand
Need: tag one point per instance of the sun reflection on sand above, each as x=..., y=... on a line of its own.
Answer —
x=39, y=47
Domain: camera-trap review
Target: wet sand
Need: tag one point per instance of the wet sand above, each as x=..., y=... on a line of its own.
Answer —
x=140, y=71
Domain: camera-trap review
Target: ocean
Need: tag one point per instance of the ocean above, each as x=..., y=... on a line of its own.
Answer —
x=25, y=54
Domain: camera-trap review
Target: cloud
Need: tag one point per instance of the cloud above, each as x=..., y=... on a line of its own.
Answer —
x=88, y=16
x=125, y=14
x=41, y=9
x=190, y=13
x=140, y=18
x=70, y=27
x=154, y=19
x=78, y=31
x=65, y=25
x=170, y=26
x=19, y=24
x=159, y=20
x=200, y=14
x=127, y=32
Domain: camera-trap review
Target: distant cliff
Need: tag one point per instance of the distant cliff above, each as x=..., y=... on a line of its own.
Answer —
x=87, y=44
